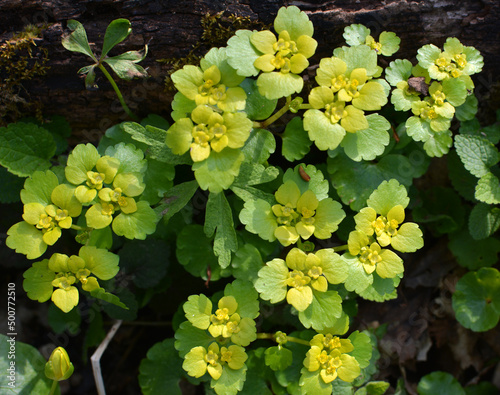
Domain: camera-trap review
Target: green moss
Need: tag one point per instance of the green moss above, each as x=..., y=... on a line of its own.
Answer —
x=20, y=60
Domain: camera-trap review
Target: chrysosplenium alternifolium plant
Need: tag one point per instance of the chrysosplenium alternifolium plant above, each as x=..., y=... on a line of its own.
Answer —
x=291, y=250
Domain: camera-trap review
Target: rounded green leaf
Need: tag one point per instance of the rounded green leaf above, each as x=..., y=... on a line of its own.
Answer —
x=369, y=143
x=102, y=263
x=26, y=239
x=26, y=148
x=38, y=281
x=355, y=34
x=218, y=171
x=388, y=194
x=296, y=143
x=198, y=310
x=323, y=311
x=137, y=225
x=408, y=239
x=488, y=189
x=439, y=383
x=474, y=254
x=325, y=134
x=38, y=188
x=257, y=106
x=271, y=283
x=161, y=369
x=476, y=300
x=398, y=70
x=294, y=21
x=439, y=144
x=275, y=85
x=242, y=54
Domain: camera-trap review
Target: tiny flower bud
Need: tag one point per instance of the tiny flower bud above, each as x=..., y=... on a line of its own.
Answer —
x=59, y=367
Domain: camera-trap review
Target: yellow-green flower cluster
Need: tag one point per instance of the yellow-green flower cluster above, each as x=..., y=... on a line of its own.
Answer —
x=282, y=58
x=297, y=277
x=456, y=60
x=213, y=360
x=329, y=357
x=344, y=93
x=210, y=118
x=49, y=207
x=55, y=278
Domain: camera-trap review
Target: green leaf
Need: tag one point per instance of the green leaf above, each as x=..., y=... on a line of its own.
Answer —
x=252, y=173
x=176, y=199
x=259, y=146
x=246, y=263
x=146, y=261
x=230, y=382
x=195, y=253
x=388, y=195
x=101, y=294
x=38, y=281
x=358, y=280
x=131, y=158
x=77, y=40
x=257, y=106
x=381, y=289
x=154, y=137
x=439, y=383
x=484, y=220
x=61, y=322
x=438, y=144
x=242, y=54
x=467, y=110
x=373, y=388
x=362, y=348
x=198, y=310
x=369, y=143
x=294, y=21
x=158, y=179
x=476, y=153
x=26, y=148
x=320, y=130
x=11, y=186
x=271, y=283
x=316, y=183
x=275, y=85
x=26, y=239
x=278, y=358
x=312, y=383
x=322, y=312
x=488, y=189
x=398, y=70
x=219, y=170
x=187, y=337
x=461, y=179
x=476, y=300
x=116, y=32
x=126, y=69
x=246, y=296
x=137, y=225
x=219, y=219
x=161, y=370
x=355, y=181
x=474, y=254
x=296, y=143
x=27, y=375
x=355, y=34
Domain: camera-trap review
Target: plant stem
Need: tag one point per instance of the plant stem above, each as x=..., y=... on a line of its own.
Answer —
x=276, y=115
x=305, y=106
x=118, y=93
x=271, y=336
x=340, y=248
x=53, y=388
x=76, y=227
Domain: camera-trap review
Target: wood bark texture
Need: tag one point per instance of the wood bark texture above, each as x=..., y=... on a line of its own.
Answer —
x=172, y=28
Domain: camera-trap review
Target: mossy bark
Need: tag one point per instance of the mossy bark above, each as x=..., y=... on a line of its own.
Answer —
x=173, y=28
